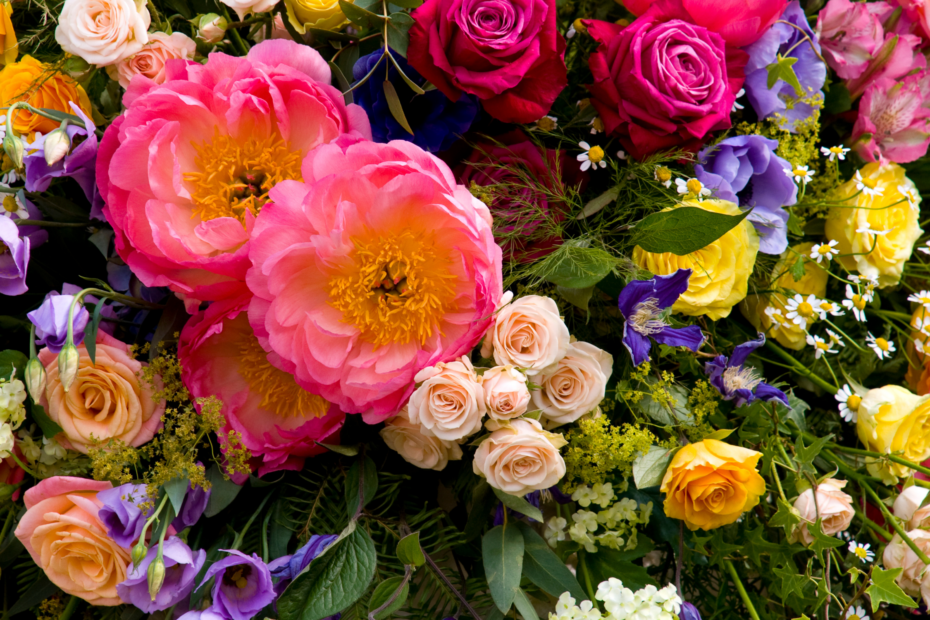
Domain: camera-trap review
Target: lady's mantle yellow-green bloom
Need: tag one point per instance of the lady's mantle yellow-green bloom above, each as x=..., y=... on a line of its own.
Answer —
x=9, y=48
x=720, y=271
x=884, y=216
x=893, y=419
x=711, y=483
x=320, y=14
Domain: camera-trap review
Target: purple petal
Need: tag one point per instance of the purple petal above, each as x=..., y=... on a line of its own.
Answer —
x=768, y=393
x=637, y=344
x=633, y=294
x=690, y=337
x=669, y=288
x=740, y=353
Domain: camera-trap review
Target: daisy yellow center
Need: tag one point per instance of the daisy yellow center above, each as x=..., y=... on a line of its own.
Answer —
x=824, y=249
x=546, y=124
x=235, y=176
x=694, y=186
x=870, y=183
x=397, y=290
x=663, y=174
x=278, y=389
x=805, y=309
x=859, y=302
x=826, y=306
x=924, y=300
x=799, y=173
x=822, y=345
x=595, y=154
x=882, y=344
x=853, y=402
x=853, y=617
x=836, y=150
x=9, y=204
x=861, y=552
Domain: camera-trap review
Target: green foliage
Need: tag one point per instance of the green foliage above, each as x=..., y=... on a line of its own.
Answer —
x=502, y=552
x=683, y=230
x=884, y=589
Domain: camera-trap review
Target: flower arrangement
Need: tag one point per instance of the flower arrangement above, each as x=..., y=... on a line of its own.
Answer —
x=464, y=309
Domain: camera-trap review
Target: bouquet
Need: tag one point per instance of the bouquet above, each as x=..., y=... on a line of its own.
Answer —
x=464, y=309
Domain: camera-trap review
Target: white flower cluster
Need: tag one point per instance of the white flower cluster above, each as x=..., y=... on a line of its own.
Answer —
x=617, y=522
x=12, y=413
x=48, y=452
x=621, y=603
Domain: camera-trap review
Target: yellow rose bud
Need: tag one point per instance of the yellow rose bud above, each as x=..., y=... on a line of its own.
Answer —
x=68, y=360
x=321, y=14
x=720, y=271
x=9, y=48
x=711, y=483
x=894, y=419
x=879, y=228
x=41, y=86
x=35, y=378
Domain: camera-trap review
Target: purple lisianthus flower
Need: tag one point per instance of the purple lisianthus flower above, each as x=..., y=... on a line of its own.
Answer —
x=436, y=121
x=287, y=567
x=737, y=382
x=79, y=163
x=746, y=170
x=243, y=585
x=788, y=41
x=195, y=502
x=14, y=258
x=121, y=513
x=51, y=320
x=181, y=568
x=203, y=614
x=642, y=302
x=689, y=612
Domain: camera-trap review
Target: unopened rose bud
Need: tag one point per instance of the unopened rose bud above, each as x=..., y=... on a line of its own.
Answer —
x=138, y=553
x=13, y=146
x=68, y=361
x=156, y=576
x=211, y=28
x=57, y=145
x=35, y=378
x=76, y=67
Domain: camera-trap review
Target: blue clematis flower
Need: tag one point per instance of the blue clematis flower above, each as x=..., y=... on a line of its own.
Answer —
x=735, y=381
x=641, y=302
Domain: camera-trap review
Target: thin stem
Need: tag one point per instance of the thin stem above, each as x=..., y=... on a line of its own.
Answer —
x=681, y=555
x=800, y=368
x=48, y=224
x=248, y=523
x=442, y=576
x=69, y=610
x=872, y=525
x=742, y=590
x=22, y=466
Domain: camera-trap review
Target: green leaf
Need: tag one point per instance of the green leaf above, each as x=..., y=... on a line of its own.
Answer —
x=524, y=606
x=90, y=333
x=792, y=581
x=675, y=413
x=794, y=225
x=384, y=592
x=369, y=484
x=797, y=269
x=409, y=551
x=805, y=455
x=783, y=69
x=787, y=516
x=343, y=450
x=580, y=267
x=333, y=581
x=481, y=504
x=222, y=491
x=342, y=82
x=519, y=504
x=410, y=83
x=578, y=297
x=398, y=30
x=37, y=592
x=721, y=434
x=544, y=568
x=278, y=534
x=683, y=230
x=395, y=106
x=10, y=360
x=47, y=425
x=176, y=489
x=756, y=545
x=502, y=548
x=407, y=4
x=359, y=16
x=822, y=542
x=599, y=203
x=607, y=563
x=649, y=468
x=884, y=589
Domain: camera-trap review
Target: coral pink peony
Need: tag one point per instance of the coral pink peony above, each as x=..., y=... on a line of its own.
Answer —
x=375, y=267
x=278, y=420
x=185, y=170
x=893, y=124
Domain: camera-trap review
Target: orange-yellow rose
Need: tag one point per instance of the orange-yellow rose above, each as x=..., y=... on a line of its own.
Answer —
x=9, y=48
x=106, y=401
x=711, y=483
x=40, y=86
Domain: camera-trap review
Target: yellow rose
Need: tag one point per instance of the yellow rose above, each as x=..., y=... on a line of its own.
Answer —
x=894, y=419
x=321, y=14
x=918, y=376
x=896, y=210
x=42, y=87
x=711, y=483
x=9, y=48
x=720, y=271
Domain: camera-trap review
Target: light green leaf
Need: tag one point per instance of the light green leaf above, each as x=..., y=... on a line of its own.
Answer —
x=675, y=413
x=90, y=333
x=575, y=264
x=395, y=106
x=544, y=568
x=884, y=589
x=524, y=606
x=821, y=541
x=787, y=516
x=409, y=551
x=398, y=32
x=343, y=450
x=578, y=297
x=47, y=425
x=649, y=468
x=783, y=69
x=683, y=230
x=519, y=504
x=721, y=434
x=384, y=592
x=359, y=16
x=598, y=203
x=502, y=548
x=176, y=488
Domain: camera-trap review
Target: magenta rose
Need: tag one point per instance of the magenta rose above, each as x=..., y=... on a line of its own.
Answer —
x=660, y=85
x=508, y=53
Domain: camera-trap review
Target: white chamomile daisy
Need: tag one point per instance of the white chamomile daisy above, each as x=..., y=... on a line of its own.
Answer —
x=547, y=123
x=834, y=152
x=13, y=206
x=2, y=126
x=592, y=156
x=922, y=298
x=736, y=105
x=925, y=248
x=776, y=316
x=911, y=195
x=856, y=303
x=865, y=230
x=692, y=187
x=822, y=251
x=664, y=176
x=868, y=186
x=883, y=348
x=820, y=346
x=802, y=311
x=597, y=125
x=835, y=339
x=799, y=174
x=849, y=404
x=861, y=551
x=856, y=613
x=826, y=307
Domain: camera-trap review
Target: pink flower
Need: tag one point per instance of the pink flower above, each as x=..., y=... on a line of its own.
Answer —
x=897, y=57
x=739, y=22
x=185, y=170
x=893, y=124
x=152, y=59
x=918, y=11
x=375, y=267
x=849, y=35
x=278, y=420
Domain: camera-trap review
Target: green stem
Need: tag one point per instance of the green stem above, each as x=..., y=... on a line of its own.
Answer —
x=23, y=466
x=69, y=609
x=742, y=590
x=879, y=455
x=872, y=525
x=248, y=524
x=800, y=368
x=48, y=224
x=8, y=523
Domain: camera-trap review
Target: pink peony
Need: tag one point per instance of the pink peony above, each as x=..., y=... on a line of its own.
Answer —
x=376, y=266
x=278, y=420
x=186, y=169
x=893, y=124
x=849, y=35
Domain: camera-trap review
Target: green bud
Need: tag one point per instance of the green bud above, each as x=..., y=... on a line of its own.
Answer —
x=138, y=553
x=13, y=145
x=211, y=28
x=76, y=67
x=156, y=576
x=35, y=378
x=68, y=361
x=57, y=145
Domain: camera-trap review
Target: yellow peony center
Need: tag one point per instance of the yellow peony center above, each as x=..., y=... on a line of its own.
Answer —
x=694, y=186
x=805, y=309
x=9, y=204
x=236, y=176
x=398, y=290
x=853, y=402
x=882, y=344
x=279, y=391
x=595, y=154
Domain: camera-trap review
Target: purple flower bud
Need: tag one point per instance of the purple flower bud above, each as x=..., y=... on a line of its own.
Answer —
x=195, y=502
x=121, y=513
x=243, y=585
x=51, y=321
x=180, y=574
x=286, y=568
x=689, y=612
x=14, y=258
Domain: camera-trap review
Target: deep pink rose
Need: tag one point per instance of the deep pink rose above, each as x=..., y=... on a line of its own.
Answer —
x=506, y=52
x=279, y=421
x=739, y=22
x=187, y=167
x=662, y=84
x=849, y=35
x=893, y=124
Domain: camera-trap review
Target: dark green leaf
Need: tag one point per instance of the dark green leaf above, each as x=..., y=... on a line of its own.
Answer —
x=38, y=592
x=223, y=491
x=598, y=203
x=519, y=504
x=524, y=606
x=172, y=321
x=578, y=297
x=783, y=69
x=176, y=489
x=409, y=551
x=884, y=589
x=384, y=592
x=407, y=4
x=574, y=266
x=369, y=484
x=10, y=360
x=683, y=230
x=321, y=35
x=343, y=450
x=410, y=83
x=47, y=425
x=341, y=82
x=395, y=106
x=837, y=100
x=359, y=16
x=90, y=333
x=792, y=581
x=278, y=535
x=483, y=500
x=822, y=542
x=607, y=563
x=502, y=548
x=544, y=568
x=398, y=32
x=787, y=516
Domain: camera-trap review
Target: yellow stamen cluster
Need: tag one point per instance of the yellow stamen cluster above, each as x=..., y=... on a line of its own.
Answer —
x=882, y=344
x=9, y=204
x=853, y=402
x=694, y=186
x=595, y=154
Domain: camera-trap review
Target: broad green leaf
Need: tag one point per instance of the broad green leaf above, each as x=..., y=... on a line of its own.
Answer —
x=47, y=425
x=333, y=581
x=884, y=589
x=369, y=483
x=675, y=413
x=359, y=16
x=524, y=606
x=10, y=360
x=384, y=592
x=483, y=500
x=395, y=106
x=398, y=30
x=222, y=491
x=575, y=266
x=792, y=581
x=278, y=534
x=502, y=548
x=176, y=489
x=787, y=516
x=596, y=204
x=409, y=551
x=90, y=333
x=683, y=230
x=35, y=594
x=407, y=4
x=343, y=450
x=783, y=69
x=578, y=297
x=519, y=504
x=721, y=434
x=649, y=468
x=544, y=568
x=607, y=563
x=822, y=542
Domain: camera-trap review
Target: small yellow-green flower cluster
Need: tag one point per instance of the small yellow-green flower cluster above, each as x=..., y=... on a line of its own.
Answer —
x=614, y=526
x=51, y=608
x=702, y=401
x=12, y=412
x=596, y=450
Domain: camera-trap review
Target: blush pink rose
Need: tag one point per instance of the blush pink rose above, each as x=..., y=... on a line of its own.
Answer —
x=662, y=84
x=449, y=402
x=279, y=421
x=893, y=123
x=898, y=554
x=376, y=266
x=849, y=35
x=152, y=59
x=519, y=456
x=187, y=167
x=831, y=505
x=64, y=536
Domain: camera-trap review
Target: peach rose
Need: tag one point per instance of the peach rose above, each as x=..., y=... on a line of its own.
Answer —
x=150, y=60
x=64, y=536
x=529, y=334
x=520, y=457
x=244, y=7
x=106, y=400
x=898, y=555
x=505, y=393
x=832, y=505
x=450, y=400
x=909, y=507
x=103, y=32
x=576, y=385
x=417, y=448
